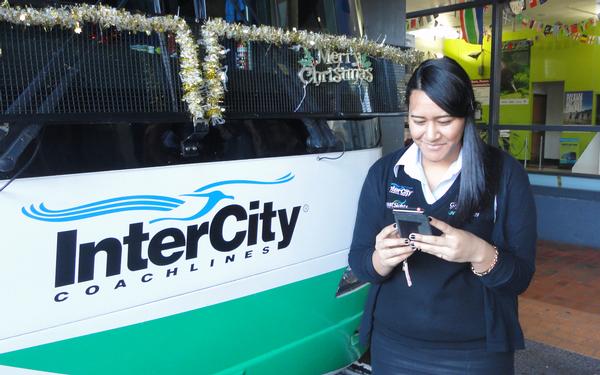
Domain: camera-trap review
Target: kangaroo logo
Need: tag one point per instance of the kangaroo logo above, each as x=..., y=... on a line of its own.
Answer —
x=211, y=193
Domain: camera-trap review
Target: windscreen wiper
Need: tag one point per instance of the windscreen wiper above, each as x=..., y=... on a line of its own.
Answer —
x=9, y=159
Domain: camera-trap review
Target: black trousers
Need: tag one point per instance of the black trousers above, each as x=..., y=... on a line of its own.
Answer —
x=388, y=357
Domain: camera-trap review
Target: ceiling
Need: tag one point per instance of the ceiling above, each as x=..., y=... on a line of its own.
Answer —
x=552, y=11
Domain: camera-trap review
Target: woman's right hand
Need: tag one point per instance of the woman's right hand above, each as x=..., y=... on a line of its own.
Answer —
x=390, y=250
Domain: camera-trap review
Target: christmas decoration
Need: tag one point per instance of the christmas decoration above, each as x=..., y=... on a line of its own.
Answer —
x=71, y=17
x=203, y=83
x=215, y=29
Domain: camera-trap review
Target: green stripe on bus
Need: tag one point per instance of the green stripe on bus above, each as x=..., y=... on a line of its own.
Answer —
x=300, y=328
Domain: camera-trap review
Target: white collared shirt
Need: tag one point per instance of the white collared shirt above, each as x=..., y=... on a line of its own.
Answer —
x=411, y=160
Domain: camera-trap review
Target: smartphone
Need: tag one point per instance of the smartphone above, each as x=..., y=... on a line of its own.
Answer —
x=411, y=220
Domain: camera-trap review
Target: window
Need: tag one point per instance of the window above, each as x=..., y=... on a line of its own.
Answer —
x=79, y=148
x=549, y=83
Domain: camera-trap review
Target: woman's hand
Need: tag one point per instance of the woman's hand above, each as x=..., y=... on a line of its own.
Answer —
x=454, y=245
x=390, y=250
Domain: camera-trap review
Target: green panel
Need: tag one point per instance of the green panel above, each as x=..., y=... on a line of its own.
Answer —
x=515, y=114
x=299, y=328
x=520, y=144
x=520, y=140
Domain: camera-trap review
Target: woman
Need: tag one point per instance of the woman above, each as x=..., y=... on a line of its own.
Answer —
x=444, y=303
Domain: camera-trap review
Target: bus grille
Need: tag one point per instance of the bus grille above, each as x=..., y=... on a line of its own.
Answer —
x=106, y=74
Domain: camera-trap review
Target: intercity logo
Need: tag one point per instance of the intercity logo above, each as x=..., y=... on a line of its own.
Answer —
x=404, y=191
x=137, y=248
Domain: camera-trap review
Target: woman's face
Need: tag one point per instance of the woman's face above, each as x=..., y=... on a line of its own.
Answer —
x=437, y=134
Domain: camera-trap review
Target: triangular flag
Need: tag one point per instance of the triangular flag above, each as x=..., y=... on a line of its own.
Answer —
x=548, y=30
x=574, y=28
x=532, y=3
x=556, y=29
x=471, y=24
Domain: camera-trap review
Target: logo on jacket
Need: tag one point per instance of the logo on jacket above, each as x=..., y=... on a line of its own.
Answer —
x=403, y=191
x=452, y=208
x=396, y=204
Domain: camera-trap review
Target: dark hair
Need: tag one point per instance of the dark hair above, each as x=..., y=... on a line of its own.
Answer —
x=448, y=85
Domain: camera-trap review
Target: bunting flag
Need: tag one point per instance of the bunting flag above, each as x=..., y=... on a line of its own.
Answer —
x=574, y=28
x=533, y=3
x=524, y=22
x=556, y=30
x=547, y=29
x=471, y=24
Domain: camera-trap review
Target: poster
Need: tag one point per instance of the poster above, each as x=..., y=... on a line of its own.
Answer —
x=578, y=108
x=481, y=89
x=569, y=150
x=514, y=75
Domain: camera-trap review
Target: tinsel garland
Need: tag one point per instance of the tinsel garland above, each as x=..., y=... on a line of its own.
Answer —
x=71, y=17
x=214, y=29
x=205, y=107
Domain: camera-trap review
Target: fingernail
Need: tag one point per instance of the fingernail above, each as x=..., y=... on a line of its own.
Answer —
x=394, y=225
x=413, y=246
x=429, y=217
x=412, y=236
x=406, y=242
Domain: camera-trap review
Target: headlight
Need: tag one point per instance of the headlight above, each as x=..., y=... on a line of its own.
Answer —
x=349, y=283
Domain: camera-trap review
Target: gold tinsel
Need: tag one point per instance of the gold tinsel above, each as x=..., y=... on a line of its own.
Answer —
x=203, y=96
x=72, y=17
x=214, y=29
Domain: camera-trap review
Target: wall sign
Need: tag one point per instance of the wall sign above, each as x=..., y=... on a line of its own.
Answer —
x=578, y=108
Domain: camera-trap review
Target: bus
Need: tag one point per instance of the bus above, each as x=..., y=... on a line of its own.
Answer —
x=135, y=242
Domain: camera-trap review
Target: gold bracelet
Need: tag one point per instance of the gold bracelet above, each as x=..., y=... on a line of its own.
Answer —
x=490, y=268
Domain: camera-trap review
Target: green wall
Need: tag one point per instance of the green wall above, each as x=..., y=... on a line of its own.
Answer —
x=553, y=58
